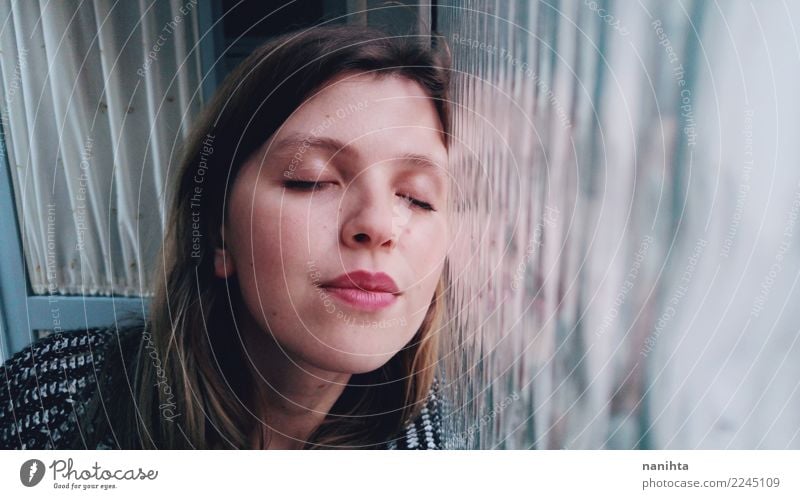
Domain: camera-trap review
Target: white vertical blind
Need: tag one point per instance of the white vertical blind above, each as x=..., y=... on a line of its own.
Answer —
x=627, y=255
x=97, y=96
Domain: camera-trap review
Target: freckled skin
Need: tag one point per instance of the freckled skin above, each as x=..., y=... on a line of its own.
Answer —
x=288, y=240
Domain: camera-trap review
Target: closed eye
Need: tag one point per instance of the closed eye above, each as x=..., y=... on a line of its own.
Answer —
x=416, y=202
x=302, y=185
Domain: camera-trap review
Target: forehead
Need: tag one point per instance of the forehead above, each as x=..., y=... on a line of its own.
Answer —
x=372, y=116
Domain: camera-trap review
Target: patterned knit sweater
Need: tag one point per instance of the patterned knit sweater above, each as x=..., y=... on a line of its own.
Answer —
x=47, y=387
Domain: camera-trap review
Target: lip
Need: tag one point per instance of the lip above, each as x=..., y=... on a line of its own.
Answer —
x=364, y=290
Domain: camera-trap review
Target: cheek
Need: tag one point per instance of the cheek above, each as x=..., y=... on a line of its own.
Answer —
x=426, y=244
x=270, y=248
x=282, y=242
x=255, y=239
x=274, y=233
x=302, y=234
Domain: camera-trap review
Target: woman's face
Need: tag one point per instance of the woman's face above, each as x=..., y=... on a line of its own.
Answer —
x=355, y=180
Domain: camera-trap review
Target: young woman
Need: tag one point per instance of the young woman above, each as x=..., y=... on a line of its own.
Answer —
x=300, y=287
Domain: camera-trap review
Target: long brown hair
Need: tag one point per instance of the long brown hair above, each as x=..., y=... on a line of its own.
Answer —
x=190, y=346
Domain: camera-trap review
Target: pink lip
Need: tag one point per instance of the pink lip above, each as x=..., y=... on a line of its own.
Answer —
x=364, y=290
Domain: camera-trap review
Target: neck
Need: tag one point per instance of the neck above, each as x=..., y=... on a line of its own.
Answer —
x=290, y=397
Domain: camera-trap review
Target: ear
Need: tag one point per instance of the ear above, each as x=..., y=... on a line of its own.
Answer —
x=223, y=263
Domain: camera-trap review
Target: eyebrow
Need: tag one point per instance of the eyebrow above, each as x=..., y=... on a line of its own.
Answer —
x=312, y=142
x=298, y=141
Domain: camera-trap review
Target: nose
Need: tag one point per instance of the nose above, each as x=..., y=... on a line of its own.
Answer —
x=369, y=218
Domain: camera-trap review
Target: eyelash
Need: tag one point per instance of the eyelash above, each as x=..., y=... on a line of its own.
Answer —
x=300, y=185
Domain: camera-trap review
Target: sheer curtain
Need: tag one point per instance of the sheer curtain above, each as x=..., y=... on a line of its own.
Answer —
x=626, y=258
x=97, y=96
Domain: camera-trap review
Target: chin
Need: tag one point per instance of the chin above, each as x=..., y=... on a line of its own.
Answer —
x=356, y=350
x=352, y=364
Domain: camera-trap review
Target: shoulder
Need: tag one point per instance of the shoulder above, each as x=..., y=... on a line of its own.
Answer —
x=47, y=387
x=424, y=432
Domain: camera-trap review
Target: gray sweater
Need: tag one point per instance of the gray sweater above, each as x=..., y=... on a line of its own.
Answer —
x=47, y=388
